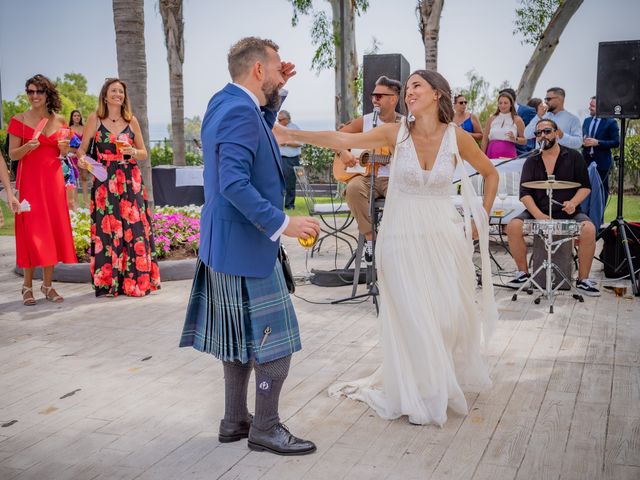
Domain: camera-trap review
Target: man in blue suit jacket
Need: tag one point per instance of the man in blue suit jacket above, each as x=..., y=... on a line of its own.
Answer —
x=526, y=113
x=600, y=136
x=240, y=310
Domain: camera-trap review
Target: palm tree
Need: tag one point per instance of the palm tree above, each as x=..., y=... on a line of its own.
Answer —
x=429, y=12
x=128, y=20
x=173, y=23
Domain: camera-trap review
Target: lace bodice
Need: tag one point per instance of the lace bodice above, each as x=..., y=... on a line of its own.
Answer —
x=408, y=176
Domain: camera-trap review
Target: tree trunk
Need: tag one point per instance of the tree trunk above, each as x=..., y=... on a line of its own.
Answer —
x=430, y=12
x=173, y=22
x=547, y=44
x=346, y=70
x=128, y=20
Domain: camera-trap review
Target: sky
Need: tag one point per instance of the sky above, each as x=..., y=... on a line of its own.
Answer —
x=54, y=38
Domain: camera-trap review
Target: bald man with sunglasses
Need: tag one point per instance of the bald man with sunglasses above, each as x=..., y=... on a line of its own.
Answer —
x=567, y=165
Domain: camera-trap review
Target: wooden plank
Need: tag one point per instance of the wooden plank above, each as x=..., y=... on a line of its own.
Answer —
x=544, y=454
x=511, y=437
x=623, y=441
x=584, y=455
x=595, y=386
x=487, y=471
x=625, y=394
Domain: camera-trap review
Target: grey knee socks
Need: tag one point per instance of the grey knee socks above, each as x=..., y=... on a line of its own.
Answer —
x=236, y=383
x=270, y=377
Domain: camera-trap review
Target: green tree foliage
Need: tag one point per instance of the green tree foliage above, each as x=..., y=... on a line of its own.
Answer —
x=322, y=36
x=483, y=99
x=318, y=162
x=532, y=18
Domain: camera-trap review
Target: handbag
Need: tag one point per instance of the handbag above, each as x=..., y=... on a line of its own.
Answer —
x=286, y=269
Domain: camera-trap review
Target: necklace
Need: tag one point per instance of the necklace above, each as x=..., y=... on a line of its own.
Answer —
x=114, y=120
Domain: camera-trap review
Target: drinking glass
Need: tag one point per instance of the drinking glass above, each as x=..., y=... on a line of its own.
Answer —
x=307, y=244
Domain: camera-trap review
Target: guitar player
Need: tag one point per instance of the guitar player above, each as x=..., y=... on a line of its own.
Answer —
x=385, y=95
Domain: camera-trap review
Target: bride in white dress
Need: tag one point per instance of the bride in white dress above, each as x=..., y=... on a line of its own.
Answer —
x=431, y=321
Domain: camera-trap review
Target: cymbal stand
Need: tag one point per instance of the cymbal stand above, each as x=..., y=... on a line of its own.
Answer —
x=549, y=267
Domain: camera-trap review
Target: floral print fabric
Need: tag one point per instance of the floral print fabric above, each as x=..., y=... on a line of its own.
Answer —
x=122, y=247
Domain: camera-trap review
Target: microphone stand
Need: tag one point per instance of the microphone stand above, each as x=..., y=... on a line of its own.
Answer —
x=372, y=279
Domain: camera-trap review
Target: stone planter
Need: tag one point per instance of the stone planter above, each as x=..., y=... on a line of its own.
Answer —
x=79, y=272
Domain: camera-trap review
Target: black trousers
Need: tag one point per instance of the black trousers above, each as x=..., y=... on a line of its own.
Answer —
x=290, y=180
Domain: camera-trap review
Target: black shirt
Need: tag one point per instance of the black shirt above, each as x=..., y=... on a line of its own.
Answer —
x=570, y=166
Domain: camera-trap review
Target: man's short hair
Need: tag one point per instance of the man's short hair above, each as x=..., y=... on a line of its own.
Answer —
x=557, y=90
x=285, y=114
x=394, y=85
x=245, y=53
x=548, y=120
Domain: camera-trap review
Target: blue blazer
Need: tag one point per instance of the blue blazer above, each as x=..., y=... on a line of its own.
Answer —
x=526, y=113
x=593, y=205
x=608, y=136
x=243, y=186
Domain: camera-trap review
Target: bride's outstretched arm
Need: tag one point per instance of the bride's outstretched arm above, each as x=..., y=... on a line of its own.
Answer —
x=384, y=135
x=470, y=151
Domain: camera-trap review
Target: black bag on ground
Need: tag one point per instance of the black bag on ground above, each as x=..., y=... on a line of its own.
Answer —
x=613, y=255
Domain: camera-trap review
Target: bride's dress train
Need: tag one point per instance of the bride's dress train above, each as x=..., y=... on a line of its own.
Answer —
x=431, y=322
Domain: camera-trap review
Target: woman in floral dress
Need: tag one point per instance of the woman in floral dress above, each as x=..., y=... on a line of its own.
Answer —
x=122, y=248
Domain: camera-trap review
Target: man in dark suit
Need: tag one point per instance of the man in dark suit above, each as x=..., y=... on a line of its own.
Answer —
x=600, y=136
x=526, y=113
x=240, y=310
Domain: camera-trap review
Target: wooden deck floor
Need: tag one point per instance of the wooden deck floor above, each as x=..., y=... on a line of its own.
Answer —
x=98, y=389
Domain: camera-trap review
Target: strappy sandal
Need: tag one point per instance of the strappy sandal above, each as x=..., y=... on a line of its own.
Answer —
x=29, y=301
x=52, y=297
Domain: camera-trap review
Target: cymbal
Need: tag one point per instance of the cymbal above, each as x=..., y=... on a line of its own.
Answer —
x=553, y=185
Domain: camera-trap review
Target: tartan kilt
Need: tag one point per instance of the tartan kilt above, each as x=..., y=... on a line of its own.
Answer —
x=240, y=318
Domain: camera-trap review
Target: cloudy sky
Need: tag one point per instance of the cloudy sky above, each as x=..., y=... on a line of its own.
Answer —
x=77, y=36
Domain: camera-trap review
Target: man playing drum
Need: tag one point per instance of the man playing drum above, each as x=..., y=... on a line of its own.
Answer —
x=567, y=165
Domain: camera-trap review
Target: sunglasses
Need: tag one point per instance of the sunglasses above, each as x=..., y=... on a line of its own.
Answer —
x=35, y=92
x=546, y=131
x=548, y=99
x=378, y=96
x=463, y=102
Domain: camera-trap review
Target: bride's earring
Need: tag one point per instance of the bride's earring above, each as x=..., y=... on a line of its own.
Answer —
x=410, y=117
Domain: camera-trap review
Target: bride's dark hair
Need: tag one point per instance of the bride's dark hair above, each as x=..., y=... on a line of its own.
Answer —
x=440, y=85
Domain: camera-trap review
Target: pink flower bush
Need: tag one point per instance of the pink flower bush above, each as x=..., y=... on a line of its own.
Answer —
x=176, y=227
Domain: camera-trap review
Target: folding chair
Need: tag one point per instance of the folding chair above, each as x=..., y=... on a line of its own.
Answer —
x=333, y=225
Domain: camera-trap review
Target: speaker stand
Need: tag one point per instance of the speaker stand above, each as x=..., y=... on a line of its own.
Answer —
x=620, y=223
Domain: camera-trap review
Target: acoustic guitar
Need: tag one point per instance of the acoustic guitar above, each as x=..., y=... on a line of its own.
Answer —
x=367, y=160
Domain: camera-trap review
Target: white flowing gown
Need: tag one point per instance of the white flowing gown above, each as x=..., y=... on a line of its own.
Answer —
x=431, y=322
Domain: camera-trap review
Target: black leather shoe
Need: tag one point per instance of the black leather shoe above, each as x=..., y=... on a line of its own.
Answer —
x=234, y=431
x=278, y=440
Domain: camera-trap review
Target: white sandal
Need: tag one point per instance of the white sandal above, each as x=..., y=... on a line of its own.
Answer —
x=55, y=298
x=28, y=301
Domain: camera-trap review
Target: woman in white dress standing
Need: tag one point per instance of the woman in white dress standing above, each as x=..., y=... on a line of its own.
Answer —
x=431, y=324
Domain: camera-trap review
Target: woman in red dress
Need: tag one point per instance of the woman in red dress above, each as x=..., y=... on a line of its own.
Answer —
x=123, y=258
x=43, y=234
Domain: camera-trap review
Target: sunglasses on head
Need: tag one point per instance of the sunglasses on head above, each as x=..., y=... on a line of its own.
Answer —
x=34, y=92
x=378, y=96
x=546, y=131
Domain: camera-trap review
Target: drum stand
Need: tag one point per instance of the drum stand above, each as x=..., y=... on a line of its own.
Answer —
x=549, y=267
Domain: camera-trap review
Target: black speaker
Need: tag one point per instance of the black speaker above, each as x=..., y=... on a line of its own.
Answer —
x=618, y=82
x=392, y=65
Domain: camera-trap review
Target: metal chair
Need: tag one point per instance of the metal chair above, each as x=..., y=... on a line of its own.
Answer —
x=335, y=215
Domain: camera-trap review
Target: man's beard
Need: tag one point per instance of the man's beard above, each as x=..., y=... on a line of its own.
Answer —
x=549, y=144
x=272, y=96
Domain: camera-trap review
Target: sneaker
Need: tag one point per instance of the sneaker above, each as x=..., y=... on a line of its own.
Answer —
x=586, y=287
x=518, y=279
